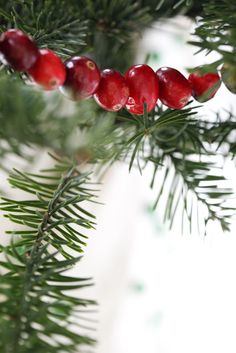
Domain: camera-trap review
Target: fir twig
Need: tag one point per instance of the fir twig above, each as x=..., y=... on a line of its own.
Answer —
x=178, y=144
x=34, y=305
x=216, y=30
x=53, y=24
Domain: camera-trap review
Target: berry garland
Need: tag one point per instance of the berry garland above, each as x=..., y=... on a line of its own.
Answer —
x=80, y=78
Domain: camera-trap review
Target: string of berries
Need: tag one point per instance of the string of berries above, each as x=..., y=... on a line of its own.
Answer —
x=80, y=78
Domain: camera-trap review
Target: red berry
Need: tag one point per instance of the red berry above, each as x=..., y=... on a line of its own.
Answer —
x=112, y=92
x=175, y=89
x=18, y=49
x=143, y=87
x=48, y=71
x=204, y=86
x=82, y=77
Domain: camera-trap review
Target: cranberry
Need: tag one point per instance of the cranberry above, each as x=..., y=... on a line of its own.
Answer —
x=143, y=87
x=112, y=92
x=18, y=49
x=48, y=71
x=204, y=86
x=82, y=77
x=175, y=89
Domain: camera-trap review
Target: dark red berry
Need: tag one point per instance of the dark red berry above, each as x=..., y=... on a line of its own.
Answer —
x=48, y=71
x=18, y=49
x=143, y=87
x=112, y=92
x=175, y=89
x=82, y=77
x=204, y=86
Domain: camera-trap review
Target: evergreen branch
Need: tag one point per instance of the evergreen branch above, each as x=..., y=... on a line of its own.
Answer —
x=169, y=8
x=52, y=24
x=203, y=180
x=217, y=29
x=189, y=183
x=222, y=133
x=176, y=143
x=118, y=19
x=102, y=137
x=35, y=307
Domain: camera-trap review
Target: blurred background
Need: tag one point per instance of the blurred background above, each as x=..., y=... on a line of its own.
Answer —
x=159, y=290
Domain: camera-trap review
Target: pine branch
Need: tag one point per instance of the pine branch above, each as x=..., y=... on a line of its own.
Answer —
x=203, y=182
x=53, y=24
x=35, y=307
x=102, y=137
x=217, y=30
x=168, y=8
x=222, y=134
x=177, y=144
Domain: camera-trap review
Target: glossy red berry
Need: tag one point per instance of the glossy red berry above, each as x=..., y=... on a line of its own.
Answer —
x=143, y=87
x=82, y=77
x=204, y=86
x=18, y=49
x=48, y=71
x=175, y=89
x=112, y=92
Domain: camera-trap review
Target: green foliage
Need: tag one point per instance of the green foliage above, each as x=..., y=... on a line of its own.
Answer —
x=37, y=311
x=217, y=30
x=116, y=25
x=52, y=23
x=20, y=106
x=196, y=183
x=222, y=134
x=119, y=19
x=30, y=118
x=168, y=8
x=177, y=144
